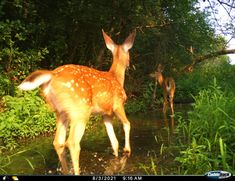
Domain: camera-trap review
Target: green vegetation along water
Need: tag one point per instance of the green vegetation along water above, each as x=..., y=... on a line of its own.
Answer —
x=150, y=136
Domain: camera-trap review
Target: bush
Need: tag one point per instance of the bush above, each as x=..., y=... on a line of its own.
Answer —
x=24, y=116
x=15, y=59
x=6, y=87
x=190, y=84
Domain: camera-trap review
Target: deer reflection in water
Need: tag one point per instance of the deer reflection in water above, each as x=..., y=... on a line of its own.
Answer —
x=116, y=165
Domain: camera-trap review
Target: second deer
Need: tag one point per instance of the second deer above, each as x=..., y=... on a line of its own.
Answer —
x=74, y=92
x=168, y=87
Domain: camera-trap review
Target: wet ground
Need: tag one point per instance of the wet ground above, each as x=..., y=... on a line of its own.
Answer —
x=150, y=137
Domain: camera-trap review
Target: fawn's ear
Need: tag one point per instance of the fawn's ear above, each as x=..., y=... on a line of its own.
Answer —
x=128, y=43
x=109, y=42
x=160, y=68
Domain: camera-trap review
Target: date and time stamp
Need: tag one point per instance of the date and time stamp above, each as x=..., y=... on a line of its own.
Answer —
x=117, y=178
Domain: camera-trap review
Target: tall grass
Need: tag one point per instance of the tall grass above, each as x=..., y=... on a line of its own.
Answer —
x=209, y=133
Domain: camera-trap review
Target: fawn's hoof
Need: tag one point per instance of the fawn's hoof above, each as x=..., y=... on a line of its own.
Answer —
x=127, y=151
x=115, y=153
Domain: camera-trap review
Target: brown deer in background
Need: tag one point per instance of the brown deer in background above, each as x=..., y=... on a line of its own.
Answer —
x=168, y=87
x=74, y=92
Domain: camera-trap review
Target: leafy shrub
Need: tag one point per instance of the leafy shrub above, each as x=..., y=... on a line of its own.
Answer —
x=16, y=60
x=190, y=84
x=5, y=85
x=24, y=116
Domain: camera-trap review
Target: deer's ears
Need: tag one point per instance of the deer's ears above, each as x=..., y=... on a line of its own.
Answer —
x=128, y=43
x=160, y=68
x=109, y=42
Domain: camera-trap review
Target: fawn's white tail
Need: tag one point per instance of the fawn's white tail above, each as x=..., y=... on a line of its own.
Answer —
x=35, y=80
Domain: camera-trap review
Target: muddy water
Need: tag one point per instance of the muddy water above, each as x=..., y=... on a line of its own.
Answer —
x=151, y=137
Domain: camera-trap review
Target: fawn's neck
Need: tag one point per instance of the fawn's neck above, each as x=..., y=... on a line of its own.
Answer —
x=118, y=70
x=160, y=80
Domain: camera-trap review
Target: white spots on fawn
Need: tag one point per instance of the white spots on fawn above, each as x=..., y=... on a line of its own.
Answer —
x=86, y=100
x=59, y=70
x=68, y=84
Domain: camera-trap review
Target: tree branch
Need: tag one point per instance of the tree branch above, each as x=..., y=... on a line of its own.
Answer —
x=196, y=60
x=227, y=4
x=212, y=55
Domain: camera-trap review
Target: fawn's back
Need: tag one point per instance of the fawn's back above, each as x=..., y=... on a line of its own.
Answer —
x=75, y=85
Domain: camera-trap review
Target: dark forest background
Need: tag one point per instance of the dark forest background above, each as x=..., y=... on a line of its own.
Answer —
x=45, y=34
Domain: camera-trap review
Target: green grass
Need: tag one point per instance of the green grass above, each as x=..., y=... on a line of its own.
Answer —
x=209, y=133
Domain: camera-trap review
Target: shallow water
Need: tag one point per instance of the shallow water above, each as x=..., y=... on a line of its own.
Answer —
x=150, y=136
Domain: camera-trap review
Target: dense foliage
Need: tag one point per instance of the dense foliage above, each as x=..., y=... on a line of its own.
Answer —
x=45, y=34
x=190, y=84
x=24, y=116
